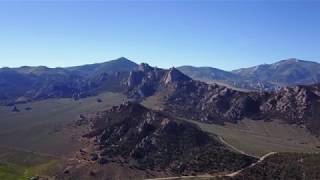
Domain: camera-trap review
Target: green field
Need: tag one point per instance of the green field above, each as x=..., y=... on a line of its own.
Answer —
x=24, y=165
x=44, y=133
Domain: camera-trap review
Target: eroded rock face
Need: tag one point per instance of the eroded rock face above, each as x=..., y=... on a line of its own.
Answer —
x=144, y=82
x=174, y=75
x=134, y=79
x=217, y=104
x=299, y=105
x=144, y=67
x=293, y=103
x=151, y=140
x=211, y=103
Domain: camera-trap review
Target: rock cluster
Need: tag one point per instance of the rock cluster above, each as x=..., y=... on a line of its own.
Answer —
x=217, y=104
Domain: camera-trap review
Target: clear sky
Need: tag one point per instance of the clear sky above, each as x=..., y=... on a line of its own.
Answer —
x=226, y=35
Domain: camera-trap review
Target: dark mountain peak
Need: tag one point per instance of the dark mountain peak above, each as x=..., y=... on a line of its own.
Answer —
x=122, y=59
x=117, y=65
x=129, y=107
x=174, y=75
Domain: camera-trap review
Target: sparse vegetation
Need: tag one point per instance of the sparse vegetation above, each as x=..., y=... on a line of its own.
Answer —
x=284, y=166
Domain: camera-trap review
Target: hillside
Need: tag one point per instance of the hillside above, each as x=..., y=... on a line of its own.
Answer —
x=20, y=85
x=217, y=76
x=208, y=73
x=121, y=64
x=143, y=139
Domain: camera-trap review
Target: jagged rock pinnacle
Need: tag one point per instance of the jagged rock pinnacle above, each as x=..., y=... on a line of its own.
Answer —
x=174, y=75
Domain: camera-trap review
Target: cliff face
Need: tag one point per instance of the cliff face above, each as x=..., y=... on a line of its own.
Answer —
x=299, y=105
x=151, y=140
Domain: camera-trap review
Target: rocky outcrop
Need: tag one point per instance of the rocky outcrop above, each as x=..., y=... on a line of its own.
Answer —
x=146, y=139
x=211, y=103
x=298, y=105
x=174, y=75
x=144, y=82
x=135, y=78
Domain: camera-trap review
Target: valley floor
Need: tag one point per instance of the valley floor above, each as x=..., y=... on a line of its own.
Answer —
x=257, y=138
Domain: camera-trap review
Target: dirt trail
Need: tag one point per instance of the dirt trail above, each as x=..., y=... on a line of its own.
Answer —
x=32, y=152
x=184, y=177
x=234, y=148
x=252, y=165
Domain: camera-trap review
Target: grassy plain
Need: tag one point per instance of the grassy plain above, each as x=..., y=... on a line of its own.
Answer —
x=39, y=140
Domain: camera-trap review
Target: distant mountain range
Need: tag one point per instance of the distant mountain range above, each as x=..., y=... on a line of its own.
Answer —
x=215, y=103
x=262, y=77
x=25, y=83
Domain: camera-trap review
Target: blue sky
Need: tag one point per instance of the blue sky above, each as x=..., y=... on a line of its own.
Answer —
x=226, y=35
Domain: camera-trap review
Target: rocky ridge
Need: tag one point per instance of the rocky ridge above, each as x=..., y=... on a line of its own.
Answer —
x=212, y=103
x=217, y=104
